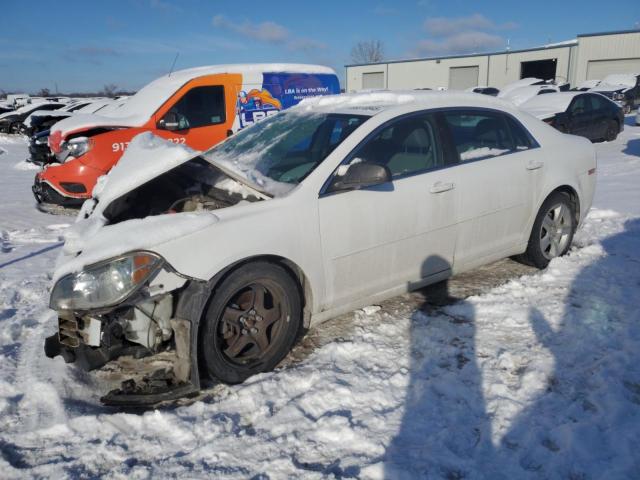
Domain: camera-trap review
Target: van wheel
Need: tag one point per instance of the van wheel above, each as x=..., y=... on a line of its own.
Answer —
x=612, y=131
x=552, y=231
x=252, y=322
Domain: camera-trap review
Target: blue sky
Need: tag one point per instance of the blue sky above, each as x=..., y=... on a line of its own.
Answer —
x=82, y=45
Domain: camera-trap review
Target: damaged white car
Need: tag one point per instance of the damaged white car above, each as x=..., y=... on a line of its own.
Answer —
x=217, y=261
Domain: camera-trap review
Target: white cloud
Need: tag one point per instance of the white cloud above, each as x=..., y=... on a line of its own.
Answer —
x=269, y=32
x=447, y=26
x=460, y=43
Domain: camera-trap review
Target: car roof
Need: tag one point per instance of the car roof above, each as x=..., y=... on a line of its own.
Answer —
x=374, y=102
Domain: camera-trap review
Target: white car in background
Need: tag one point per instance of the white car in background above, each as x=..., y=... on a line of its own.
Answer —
x=217, y=261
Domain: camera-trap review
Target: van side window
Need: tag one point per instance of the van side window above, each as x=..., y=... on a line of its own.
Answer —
x=478, y=135
x=407, y=146
x=200, y=106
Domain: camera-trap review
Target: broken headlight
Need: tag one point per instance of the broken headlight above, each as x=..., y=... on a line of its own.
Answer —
x=104, y=284
x=76, y=147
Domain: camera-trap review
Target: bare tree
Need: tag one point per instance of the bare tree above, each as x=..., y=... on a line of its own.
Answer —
x=44, y=92
x=369, y=51
x=109, y=90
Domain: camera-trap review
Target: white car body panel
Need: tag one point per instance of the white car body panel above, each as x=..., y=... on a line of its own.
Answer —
x=356, y=247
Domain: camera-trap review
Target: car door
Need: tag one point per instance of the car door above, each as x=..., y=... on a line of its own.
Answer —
x=495, y=180
x=581, y=117
x=390, y=235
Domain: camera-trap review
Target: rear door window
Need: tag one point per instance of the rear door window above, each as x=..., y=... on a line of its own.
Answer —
x=479, y=135
x=580, y=105
x=200, y=107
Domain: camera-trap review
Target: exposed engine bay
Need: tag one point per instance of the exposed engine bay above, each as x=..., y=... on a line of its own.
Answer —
x=193, y=186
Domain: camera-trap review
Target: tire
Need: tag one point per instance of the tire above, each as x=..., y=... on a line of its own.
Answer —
x=626, y=109
x=543, y=243
x=14, y=128
x=612, y=131
x=251, y=323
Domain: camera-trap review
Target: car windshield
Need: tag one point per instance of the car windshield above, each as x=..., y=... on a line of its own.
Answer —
x=276, y=154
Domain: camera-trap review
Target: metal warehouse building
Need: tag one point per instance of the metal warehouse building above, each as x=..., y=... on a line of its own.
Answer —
x=590, y=56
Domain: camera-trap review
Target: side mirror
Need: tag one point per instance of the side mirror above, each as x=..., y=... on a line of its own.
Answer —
x=169, y=122
x=360, y=175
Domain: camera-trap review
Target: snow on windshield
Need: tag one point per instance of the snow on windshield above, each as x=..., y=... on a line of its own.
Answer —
x=276, y=154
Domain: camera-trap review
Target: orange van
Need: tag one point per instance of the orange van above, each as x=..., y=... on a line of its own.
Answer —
x=198, y=107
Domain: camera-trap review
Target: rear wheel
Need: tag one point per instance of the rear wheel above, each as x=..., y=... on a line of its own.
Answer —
x=612, y=131
x=252, y=322
x=552, y=231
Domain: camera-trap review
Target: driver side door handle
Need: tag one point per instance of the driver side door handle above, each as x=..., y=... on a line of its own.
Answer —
x=440, y=187
x=534, y=165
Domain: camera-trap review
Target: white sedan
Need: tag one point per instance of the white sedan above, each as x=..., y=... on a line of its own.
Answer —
x=217, y=261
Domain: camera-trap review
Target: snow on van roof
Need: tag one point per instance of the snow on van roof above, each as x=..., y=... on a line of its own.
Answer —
x=370, y=103
x=141, y=106
x=151, y=97
x=543, y=106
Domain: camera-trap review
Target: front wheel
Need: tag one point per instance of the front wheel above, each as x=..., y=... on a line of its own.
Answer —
x=552, y=231
x=252, y=322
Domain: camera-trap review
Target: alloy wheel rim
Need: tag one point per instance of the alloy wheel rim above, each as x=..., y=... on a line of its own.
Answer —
x=555, y=231
x=251, y=323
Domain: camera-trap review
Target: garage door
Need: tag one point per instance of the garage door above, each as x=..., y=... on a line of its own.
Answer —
x=598, y=69
x=463, y=77
x=373, y=80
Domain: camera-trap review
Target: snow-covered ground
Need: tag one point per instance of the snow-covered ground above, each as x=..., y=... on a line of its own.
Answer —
x=536, y=378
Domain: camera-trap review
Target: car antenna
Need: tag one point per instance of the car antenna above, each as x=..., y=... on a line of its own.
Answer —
x=173, y=64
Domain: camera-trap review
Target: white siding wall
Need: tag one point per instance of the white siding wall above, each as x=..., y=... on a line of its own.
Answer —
x=623, y=46
x=500, y=69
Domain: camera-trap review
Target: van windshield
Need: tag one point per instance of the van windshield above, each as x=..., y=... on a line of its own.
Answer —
x=276, y=154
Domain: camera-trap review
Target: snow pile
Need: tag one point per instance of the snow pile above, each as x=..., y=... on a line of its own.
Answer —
x=524, y=82
x=518, y=96
x=538, y=378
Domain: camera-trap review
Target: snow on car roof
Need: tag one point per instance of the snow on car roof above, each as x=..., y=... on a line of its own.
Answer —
x=371, y=103
x=523, y=82
x=151, y=97
x=626, y=79
x=543, y=106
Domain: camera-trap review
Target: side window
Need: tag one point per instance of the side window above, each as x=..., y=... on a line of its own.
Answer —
x=598, y=102
x=200, y=106
x=580, y=105
x=478, y=135
x=407, y=146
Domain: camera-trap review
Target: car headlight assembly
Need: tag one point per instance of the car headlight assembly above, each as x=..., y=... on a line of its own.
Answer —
x=104, y=284
x=76, y=147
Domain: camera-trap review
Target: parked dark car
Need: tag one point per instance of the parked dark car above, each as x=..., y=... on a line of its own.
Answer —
x=43, y=120
x=586, y=114
x=39, y=150
x=10, y=122
x=624, y=89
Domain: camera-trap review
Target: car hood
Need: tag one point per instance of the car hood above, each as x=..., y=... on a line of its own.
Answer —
x=92, y=239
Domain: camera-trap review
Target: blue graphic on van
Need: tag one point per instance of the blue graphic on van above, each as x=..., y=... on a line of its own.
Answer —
x=280, y=91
